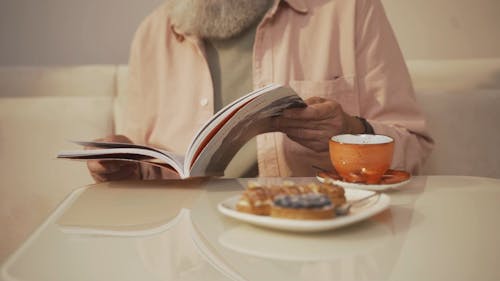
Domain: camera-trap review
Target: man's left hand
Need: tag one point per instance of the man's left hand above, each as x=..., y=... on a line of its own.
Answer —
x=314, y=125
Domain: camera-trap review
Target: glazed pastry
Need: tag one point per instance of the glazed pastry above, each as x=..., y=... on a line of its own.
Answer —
x=255, y=200
x=278, y=190
x=334, y=192
x=303, y=207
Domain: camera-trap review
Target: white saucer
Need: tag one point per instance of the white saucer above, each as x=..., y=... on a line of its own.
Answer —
x=374, y=187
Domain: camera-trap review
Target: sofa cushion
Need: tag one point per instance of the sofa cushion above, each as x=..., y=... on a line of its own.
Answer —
x=464, y=125
x=32, y=131
x=92, y=80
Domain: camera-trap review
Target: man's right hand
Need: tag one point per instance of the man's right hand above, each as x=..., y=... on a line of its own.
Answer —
x=113, y=170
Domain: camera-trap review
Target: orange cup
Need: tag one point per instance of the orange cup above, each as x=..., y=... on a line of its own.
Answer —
x=361, y=158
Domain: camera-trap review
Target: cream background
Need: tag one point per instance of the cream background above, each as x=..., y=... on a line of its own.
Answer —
x=446, y=29
x=68, y=32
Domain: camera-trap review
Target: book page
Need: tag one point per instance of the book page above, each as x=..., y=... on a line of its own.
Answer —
x=250, y=120
x=208, y=129
x=150, y=156
x=105, y=144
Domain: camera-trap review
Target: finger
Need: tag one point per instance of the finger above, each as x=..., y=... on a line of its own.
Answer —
x=126, y=173
x=168, y=173
x=307, y=113
x=111, y=138
x=119, y=138
x=317, y=111
x=308, y=134
x=286, y=123
x=314, y=100
x=314, y=145
x=100, y=167
x=108, y=166
x=115, y=138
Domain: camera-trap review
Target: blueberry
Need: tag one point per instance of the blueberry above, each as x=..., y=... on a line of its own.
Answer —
x=302, y=201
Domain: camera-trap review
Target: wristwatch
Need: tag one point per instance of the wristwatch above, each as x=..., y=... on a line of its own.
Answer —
x=368, y=127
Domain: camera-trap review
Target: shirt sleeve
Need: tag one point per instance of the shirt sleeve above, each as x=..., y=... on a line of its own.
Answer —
x=387, y=98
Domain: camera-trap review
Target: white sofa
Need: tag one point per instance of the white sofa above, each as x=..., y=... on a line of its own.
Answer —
x=461, y=99
x=42, y=108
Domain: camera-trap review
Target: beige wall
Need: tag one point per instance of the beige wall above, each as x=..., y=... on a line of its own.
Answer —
x=65, y=32
x=62, y=32
x=446, y=29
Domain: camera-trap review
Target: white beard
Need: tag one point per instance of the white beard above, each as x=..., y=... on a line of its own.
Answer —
x=217, y=19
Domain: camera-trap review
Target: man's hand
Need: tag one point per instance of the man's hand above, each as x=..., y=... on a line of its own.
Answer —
x=314, y=125
x=112, y=170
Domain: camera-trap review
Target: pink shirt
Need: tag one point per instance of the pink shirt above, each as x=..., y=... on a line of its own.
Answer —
x=343, y=50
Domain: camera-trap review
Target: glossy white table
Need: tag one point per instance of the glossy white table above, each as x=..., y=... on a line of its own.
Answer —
x=437, y=228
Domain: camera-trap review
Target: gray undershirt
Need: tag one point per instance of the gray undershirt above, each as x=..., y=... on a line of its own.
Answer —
x=230, y=63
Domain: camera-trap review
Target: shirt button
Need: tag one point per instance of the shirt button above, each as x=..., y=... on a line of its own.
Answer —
x=204, y=102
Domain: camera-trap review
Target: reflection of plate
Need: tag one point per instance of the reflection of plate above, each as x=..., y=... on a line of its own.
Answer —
x=372, y=207
x=391, y=179
x=357, y=240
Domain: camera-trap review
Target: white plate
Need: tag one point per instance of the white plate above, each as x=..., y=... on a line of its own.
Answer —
x=374, y=187
x=372, y=207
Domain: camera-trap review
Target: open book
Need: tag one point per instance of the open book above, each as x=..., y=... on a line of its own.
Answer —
x=215, y=143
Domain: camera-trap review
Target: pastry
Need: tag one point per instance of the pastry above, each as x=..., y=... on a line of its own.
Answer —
x=255, y=200
x=278, y=190
x=292, y=201
x=334, y=192
x=308, y=206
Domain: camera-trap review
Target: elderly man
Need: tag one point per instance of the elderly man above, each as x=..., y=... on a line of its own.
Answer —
x=189, y=58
